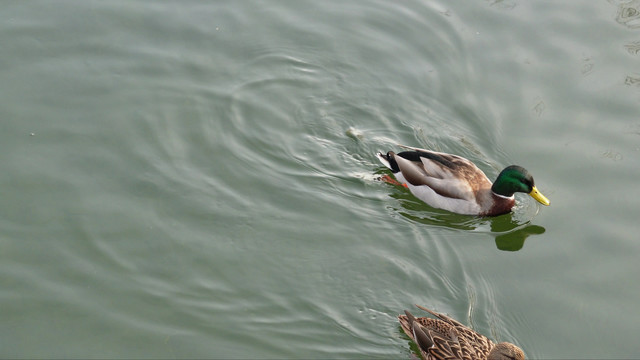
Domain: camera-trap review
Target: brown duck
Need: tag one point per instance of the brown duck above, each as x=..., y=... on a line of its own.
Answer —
x=445, y=338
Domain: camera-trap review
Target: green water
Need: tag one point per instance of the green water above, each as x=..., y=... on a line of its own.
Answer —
x=196, y=179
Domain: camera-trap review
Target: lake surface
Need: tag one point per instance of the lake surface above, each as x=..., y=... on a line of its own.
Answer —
x=197, y=179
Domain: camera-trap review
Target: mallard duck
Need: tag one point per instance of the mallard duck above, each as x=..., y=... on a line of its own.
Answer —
x=453, y=183
x=445, y=338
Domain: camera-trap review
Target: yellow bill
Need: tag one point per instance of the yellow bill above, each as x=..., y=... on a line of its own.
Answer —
x=538, y=196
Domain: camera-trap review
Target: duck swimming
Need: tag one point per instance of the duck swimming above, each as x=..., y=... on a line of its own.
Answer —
x=445, y=338
x=455, y=184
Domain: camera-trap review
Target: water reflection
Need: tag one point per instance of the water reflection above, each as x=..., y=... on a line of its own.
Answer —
x=632, y=80
x=510, y=234
x=509, y=230
x=633, y=48
x=628, y=14
x=503, y=4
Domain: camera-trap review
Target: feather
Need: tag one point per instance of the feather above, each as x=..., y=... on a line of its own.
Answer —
x=445, y=338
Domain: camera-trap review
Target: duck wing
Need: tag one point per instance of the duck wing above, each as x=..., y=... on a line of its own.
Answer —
x=446, y=174
x=435, y=338
x=471, y=343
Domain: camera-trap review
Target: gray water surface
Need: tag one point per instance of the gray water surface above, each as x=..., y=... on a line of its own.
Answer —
x=197, y=179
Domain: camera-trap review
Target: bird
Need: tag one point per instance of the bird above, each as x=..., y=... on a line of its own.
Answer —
x=453, y=183
x=446, y=338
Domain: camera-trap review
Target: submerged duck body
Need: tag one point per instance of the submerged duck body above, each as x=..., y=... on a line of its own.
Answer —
x=453, y=183
x=445, y=338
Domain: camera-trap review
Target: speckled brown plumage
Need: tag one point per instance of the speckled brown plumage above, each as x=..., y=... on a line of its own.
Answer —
x=445, y=338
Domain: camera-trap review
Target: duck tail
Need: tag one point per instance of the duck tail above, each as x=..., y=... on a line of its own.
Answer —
x=406, y=322
x=414, y=330
x=389, y=161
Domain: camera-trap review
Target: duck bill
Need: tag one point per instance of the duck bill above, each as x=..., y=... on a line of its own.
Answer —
x=539, y=197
